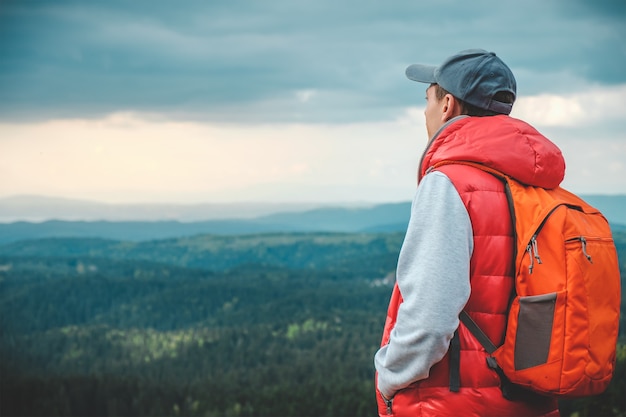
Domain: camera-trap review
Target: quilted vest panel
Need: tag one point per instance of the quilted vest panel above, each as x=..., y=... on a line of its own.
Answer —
x=491, y=280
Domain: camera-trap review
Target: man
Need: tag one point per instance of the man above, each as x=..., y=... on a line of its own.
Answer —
x=458, y=249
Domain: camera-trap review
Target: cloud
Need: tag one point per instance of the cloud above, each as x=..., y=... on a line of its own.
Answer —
x=600, y=105
x=304, y=101
x=305, y=95
x=595, y=164
x=131, y=157
x=206, y=59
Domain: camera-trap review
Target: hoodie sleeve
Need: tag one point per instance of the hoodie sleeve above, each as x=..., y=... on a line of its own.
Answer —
x=433, y=278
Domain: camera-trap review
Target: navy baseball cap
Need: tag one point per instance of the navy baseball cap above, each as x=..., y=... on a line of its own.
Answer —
x=473, y=75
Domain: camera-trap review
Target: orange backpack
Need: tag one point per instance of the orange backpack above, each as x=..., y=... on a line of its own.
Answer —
x=563, y=321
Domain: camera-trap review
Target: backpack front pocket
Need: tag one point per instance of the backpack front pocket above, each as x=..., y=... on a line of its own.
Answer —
x=534, y=330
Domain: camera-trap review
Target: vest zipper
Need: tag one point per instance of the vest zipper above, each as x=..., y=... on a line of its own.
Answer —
x=388, y=403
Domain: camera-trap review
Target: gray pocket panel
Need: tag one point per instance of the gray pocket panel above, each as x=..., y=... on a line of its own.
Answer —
x=534, y=330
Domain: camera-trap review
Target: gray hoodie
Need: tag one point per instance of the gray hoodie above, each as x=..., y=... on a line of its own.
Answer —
x=433, y=276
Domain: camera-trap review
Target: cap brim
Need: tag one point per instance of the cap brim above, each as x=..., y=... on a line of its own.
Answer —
x=421, y=73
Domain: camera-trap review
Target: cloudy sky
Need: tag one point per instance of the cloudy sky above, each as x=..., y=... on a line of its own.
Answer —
x=284, y=100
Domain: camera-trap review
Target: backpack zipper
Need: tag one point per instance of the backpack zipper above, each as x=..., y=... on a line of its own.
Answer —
x=533, y=253
x=583, y=244
x=533, y=250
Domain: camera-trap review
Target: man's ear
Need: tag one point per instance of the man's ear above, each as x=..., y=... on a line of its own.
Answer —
x=450, y=107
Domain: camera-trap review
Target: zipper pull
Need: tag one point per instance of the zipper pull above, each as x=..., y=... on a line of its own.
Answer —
x=529, y=250
x=389, y=402
x=583, y=242
x=533, y=240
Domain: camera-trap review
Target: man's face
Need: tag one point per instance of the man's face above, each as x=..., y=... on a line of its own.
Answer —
x=433, y=112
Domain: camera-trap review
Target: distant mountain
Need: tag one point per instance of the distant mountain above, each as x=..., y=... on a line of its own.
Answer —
x=128, y=231
x=39, y=209
x=391, y=217
x=381, y=218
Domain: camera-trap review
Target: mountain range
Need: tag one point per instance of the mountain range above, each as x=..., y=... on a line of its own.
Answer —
x=34, y=208
x=147, y=222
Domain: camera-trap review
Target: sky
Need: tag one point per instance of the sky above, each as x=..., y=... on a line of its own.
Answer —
x=285, y=100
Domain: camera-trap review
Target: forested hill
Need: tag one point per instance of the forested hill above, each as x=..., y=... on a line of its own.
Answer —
x=253, y=325
x=113, y=338
x=363, y=252
x=259, y=325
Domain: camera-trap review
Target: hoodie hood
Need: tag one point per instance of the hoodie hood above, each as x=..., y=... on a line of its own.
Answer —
x=506, y=144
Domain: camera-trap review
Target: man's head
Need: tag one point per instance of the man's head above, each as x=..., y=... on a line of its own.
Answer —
x=473, y=82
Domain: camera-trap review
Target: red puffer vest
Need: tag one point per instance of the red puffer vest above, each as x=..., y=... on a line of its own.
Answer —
x=513, y=146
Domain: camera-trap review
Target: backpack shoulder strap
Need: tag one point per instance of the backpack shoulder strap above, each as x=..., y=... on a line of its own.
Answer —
x=477, y=332
x=464, y=317
x=532, y=203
